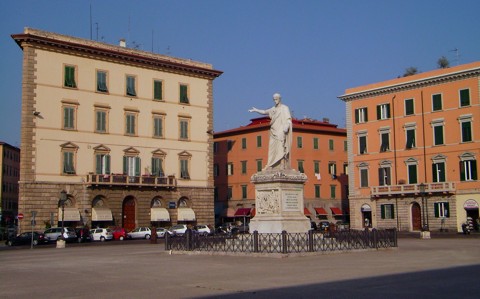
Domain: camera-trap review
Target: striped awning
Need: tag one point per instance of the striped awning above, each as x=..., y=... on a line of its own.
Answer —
x=159, y=214
x=101, y=214
x=336, y=211
x=71, y=214
x=307, y=212
x=186, y=214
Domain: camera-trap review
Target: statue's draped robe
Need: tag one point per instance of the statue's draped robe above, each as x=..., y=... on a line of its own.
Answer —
x=280, y=142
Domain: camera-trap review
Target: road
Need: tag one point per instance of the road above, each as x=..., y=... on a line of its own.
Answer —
x=435, y=268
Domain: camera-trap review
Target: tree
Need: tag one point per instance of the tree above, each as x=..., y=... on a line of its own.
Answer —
x=410, y=71
x=443, y=63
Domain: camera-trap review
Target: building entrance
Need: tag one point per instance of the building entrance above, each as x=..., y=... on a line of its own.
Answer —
x=129, y=220
x=416, y=217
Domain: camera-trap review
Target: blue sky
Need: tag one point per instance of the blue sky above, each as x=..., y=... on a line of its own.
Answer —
x=309, y=51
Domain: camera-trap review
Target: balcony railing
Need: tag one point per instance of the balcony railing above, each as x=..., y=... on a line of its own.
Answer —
x=405, y=190
x=124, y=180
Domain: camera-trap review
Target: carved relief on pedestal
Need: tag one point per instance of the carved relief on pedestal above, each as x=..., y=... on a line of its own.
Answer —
x=268, y=202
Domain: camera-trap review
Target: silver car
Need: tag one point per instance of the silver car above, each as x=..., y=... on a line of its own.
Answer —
x=101, y=234
x=54, y=233
x=140, y=233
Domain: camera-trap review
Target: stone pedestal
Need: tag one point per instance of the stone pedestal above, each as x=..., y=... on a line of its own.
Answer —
x=60, y=243
x=279, y=202
x=425, y=235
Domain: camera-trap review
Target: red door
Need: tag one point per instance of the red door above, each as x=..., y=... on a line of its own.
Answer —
x=129, y=214
x=416, y=217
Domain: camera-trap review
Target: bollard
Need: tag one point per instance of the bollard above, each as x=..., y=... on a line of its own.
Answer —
x=166, y=241
x=255, y=241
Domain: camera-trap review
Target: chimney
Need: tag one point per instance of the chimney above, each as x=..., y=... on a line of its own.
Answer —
x=123, y=43
x=326, y=120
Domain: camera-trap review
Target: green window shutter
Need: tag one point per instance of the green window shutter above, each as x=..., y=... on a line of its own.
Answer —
x=437, y=102
x=184, y=94
x=462, y=171
x=379, y=112
x=412, y=174
x=107, y=164
x=382, y=208
x=125, y=165
x=244, y=143
x=465, y=97
x=316, y=167
x=137, y=166
x=434, y=173
x=474, y=169
x=157, y=90
x=315, y=143
x=259, y=165
x=98, y=166
x=366, y=114
x=438, y=130
x=436, y=207
x=466, y=131
x=447, y=209
x=392, y=208
x=388, y=110
x=357, y=118
x=70, y=77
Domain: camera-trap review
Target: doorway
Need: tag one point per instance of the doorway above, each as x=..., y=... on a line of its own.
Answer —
x=128, y=209
x=416, y=217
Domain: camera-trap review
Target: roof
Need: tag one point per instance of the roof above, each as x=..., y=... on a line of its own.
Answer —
x=107, y=51
x=414, y=81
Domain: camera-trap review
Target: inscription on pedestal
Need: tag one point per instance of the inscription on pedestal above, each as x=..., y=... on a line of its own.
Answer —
x=291, y=200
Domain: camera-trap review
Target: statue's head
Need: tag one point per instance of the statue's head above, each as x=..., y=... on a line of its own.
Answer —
x=277, y=98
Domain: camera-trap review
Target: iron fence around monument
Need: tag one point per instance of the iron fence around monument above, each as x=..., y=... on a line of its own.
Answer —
x=312, y=241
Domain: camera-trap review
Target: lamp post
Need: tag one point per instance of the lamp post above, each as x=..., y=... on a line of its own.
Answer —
x=63, y=199
x=425, y=227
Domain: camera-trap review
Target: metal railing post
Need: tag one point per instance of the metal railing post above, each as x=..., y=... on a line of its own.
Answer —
x=255, y=241
x=166, y=241
x=310, y=240
x=284, y=242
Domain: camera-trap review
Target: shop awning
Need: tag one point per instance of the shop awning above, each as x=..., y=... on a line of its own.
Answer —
x=243, y=212
x=307, y=212
x=159, y=214
x=336, y=211
x=230, y=212
x=186, y=214
x=101, y=214
x=71, y=214
x=321, y=211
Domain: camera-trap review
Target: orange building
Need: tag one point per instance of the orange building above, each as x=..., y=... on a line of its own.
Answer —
x=318, y=150
x=413, y=147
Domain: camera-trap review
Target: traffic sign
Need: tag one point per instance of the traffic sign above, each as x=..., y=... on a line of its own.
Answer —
x=20, y=216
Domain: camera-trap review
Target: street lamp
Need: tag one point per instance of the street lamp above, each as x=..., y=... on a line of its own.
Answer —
x=422, y=187
x=63, y=199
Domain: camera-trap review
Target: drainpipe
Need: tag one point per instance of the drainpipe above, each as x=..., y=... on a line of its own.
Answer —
x=424, y=157
x=395, y=156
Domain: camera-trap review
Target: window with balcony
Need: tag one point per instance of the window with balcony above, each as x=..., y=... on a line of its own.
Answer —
x=412, y=172
x=185, y=167
x=437, y=102
x=442, y=210
x=387, y=211
x=130, y=86
x=157, y=166
x=361, y=115
x=438, y=172
x=102, y=163
x=158, y=90
x=384, y=176
x=468, y=168
x=183, y=92
x=383, y=111
x=69, y=76
x=102, y=81
x=409, y=107
x=131, y=165
x=464, y=97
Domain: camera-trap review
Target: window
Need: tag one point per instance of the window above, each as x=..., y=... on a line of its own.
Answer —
x=184, y=94
x=331, y=145
x=387, y=211
x=130, y=127
x=315, y=143
x=215, y=170
x=317, y=191
x=158, y=126
x=442, y=210
x=345, y=145
x=345, y=167
x=383, y=111
x=362, y=142
x=410, y=137
x=333, y=194
x=259, y=141
x=409, y=107
x=158, y=90
x=332, y=169
x=131, y=91
x=259, y=165
x=464, y=97
x=384, y=176
x=185, y=167
x=363, y=176
x=300, y=166
x=69, y=77
x=101, y=121
x=183, y=124
x=466, y=131
x=299, y=142
x=157, y=167
x=436, y=102
x=244, y=191
x=438, y=172
x=102, y=81
x=68, y=162
x=69, y=117
x=244, y=167
x=361, y=115
x=316, y=167
x=244, y=143
x=438, y=134
x=468, y=170
x=385, y=138
x=229, y=192
x=131, y=166
x=230, y=168
x=229, y=145
x=412, y=173
x=102, y=163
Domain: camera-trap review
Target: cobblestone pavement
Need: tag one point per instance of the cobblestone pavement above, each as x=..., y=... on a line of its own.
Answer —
x=435, y=268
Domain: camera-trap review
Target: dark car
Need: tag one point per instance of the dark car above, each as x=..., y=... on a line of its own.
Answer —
x=323, y=225
x=83, y=234
x=26, y=238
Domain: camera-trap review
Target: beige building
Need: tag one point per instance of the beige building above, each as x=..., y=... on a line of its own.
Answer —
x=125, y=133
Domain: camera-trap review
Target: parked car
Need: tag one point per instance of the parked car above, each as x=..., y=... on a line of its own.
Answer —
x=342, y=225
x=178, y=230
x=101, y=234
x=323, y=225
x=161, y=231
x=240, y=229
x=203, y=229
x=83, y=234
x=55, y=233
x=140, y=233
x=119, y=233
x=26, y=238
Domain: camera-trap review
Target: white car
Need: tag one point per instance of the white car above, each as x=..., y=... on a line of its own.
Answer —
x=140, y=233
x=178, y=230
x=161, y=231
x=101, y=234
x=203, y=229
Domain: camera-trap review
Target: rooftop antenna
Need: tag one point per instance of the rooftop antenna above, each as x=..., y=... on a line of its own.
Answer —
x=152, y=40
x=96, y=25
x=90, y=20
x=457, y=55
